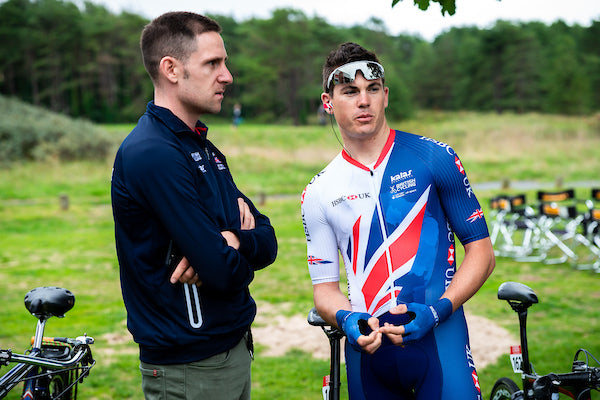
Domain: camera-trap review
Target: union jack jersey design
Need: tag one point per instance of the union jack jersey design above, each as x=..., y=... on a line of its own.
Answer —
x=477, y=214
x=393, y=222
x=315, y=261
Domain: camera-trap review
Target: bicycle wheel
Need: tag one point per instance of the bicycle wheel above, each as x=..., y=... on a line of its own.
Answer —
x=504, y=389
x=57, y=384
x=49, y=387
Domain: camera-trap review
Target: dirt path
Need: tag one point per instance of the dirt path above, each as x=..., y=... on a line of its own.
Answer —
x=279, y=334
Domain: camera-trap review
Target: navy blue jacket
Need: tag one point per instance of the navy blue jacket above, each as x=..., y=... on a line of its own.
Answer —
x=172, y=196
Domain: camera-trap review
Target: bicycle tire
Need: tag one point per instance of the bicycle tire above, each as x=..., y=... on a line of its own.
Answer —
x=46, y=388
x=503, y=389
x=58, y=383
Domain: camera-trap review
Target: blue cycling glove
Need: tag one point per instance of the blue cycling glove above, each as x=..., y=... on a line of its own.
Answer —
x=426, y=318
x=353, y=324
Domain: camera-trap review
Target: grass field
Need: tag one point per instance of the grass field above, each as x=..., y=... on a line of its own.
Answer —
x=41, y=244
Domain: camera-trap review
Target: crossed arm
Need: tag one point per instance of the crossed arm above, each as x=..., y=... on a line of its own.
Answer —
x=184, y=272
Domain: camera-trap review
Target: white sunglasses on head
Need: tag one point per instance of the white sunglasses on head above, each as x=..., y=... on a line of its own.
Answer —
x=347, y=73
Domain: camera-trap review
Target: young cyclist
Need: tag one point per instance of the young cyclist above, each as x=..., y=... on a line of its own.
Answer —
x=391, y=203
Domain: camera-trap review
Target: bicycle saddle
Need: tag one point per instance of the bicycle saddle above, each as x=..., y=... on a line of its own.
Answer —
x=515, y=291
x=49, y=301
x=315, y=319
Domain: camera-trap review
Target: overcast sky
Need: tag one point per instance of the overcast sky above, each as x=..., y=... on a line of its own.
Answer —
x=405, y=17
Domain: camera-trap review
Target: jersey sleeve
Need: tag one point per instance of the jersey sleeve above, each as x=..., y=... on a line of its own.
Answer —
x=321, y=244
x=463, y=211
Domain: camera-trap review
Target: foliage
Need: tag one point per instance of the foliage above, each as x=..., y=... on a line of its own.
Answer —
x=447, y=6
x=80, y=62
x=85, y=62
x=31, y=133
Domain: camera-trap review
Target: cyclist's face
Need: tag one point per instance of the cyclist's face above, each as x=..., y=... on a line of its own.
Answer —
x=359, y=107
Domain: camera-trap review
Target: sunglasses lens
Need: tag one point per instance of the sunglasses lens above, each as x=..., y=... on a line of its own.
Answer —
x=342, y=77
x=347, y=72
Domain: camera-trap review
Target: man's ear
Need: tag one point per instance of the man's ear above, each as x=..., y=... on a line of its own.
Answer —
x=386, y=91
x=326, y=99
x=169, y=68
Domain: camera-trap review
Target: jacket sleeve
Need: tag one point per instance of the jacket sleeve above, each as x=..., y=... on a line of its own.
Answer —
x=258, y=245
x=164, y=181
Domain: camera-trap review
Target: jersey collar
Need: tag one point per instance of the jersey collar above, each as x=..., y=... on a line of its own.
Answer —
x=384, y=152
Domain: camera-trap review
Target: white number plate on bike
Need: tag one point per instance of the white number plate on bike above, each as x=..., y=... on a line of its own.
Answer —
x=516, y=359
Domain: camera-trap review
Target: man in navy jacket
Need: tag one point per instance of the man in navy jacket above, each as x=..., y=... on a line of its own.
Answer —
x=188, y=241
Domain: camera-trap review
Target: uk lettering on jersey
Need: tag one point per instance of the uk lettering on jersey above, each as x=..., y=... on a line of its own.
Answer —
x=393, y=223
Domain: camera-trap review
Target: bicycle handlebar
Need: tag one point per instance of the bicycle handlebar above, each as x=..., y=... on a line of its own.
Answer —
x=544, y=386
x=82, y=350
x=80, y=345
x=83, y=355
x=73, y=342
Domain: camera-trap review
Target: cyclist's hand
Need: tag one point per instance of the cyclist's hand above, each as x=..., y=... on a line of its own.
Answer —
x=393, y=332
x=426, y=317
x=184, y=273
x=370, y=342
x=361, y=329
x=246, y=217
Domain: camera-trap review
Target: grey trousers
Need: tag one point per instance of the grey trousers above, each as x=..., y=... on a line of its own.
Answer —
x=225, y=376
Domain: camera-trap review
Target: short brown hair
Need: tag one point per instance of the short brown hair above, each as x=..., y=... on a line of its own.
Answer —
x=172, y=34
x=344, y=54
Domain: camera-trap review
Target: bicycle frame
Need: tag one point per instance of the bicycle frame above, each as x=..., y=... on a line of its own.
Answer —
x=45, y=303
x=576, y=384
x=334, y=335
x=520, y=300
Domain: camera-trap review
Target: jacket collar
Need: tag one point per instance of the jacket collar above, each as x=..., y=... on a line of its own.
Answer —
x=173, y=122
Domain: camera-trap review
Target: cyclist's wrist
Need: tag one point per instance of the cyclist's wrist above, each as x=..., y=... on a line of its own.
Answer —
x=350, y=323
x=441, y=310
x=341, y=316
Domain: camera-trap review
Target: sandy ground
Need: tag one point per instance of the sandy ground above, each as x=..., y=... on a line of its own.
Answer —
x=279, y=334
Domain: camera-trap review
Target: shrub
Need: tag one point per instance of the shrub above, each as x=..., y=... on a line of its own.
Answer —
x=32, y=133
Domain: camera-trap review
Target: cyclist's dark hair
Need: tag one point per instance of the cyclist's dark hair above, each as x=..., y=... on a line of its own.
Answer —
x=172, y=34
x=344, y=54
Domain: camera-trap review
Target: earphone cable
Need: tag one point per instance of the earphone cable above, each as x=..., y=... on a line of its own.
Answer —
x=336, y=135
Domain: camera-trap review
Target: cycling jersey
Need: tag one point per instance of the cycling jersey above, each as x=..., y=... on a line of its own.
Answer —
x=394, y=224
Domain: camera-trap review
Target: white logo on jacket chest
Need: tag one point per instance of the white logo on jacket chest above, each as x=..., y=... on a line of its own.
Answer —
x=401, y=176
x=401, y=184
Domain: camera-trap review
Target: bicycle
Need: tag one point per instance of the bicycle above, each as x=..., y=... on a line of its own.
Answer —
x=577, y=384
x=331, y=382
x=53, y=367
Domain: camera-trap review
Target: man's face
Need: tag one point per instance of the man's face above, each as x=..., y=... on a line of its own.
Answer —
x=205, y=76
x=359, y=106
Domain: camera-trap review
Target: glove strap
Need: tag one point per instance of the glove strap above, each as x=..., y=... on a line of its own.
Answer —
x=341, y=316
x=441, y=310
x=436, y=316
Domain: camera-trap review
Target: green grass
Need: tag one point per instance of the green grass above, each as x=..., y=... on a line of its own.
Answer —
x=40, y=244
